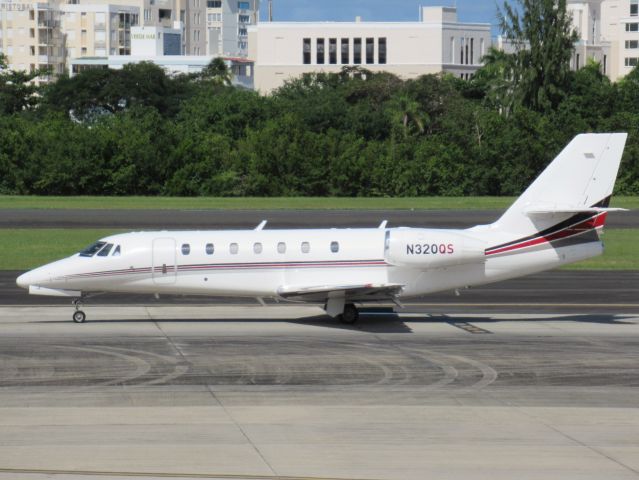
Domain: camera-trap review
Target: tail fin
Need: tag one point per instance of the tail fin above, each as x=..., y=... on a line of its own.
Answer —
x=579, y=180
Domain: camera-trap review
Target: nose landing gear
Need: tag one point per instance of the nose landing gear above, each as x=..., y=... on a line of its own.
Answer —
x=78, y=316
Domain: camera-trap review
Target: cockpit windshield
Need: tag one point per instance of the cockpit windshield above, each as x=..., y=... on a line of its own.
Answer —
x=105, y=251
x=92, y=249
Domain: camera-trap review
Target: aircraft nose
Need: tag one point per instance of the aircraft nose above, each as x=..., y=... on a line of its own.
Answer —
x=32, y=277
x=24, y=279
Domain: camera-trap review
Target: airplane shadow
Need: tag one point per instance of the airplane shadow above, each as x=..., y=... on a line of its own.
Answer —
x=385, y=321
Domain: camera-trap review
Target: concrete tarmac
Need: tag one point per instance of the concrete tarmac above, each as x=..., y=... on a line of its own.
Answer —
x=283, y=391
x=241, y=219
x=567, y=291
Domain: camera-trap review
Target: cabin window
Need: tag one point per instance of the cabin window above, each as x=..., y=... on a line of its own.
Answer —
x=186, y=249
x=334, y=247
x=281, y=247
x=234, y=248
x=105, y=251
x=116, y=252
x=92, y=249
x=210, y=249
x=306, y=247
x=257, y=247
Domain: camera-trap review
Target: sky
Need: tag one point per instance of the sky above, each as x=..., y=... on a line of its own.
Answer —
x=376, y=10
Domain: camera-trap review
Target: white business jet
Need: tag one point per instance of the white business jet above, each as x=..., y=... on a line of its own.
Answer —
x=557, y=220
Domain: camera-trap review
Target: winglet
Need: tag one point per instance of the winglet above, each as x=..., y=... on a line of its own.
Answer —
x=383, y=224
x=261, y=225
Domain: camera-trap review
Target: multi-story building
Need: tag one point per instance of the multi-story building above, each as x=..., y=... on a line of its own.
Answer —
x=98, y=29
x=31, y=35
x=227, y=26
x=51, y=33
x=436, y=43
x=591, y=46
x=620, y=27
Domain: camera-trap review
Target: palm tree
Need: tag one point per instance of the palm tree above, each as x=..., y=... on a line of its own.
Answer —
x=217, y=71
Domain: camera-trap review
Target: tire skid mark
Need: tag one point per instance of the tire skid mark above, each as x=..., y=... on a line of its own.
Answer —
x=142, y=366
x=489, y=374
x=178, y=370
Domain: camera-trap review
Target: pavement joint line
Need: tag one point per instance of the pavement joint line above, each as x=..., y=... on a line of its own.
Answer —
x=216, y=476
x=580, y=443
x=245, y=435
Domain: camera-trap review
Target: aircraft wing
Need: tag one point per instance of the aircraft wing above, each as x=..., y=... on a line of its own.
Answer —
x=352, y=293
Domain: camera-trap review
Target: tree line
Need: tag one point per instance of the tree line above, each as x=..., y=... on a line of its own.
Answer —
x=138, y=131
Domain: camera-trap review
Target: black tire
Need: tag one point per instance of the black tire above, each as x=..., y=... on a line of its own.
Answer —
x=350, y=315
x=79, y=316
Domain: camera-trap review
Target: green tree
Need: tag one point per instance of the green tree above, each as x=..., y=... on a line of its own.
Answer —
x=542, y=36
x=17, y=88
x=217, y=72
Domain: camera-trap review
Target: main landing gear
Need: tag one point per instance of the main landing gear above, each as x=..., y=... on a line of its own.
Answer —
x=350, y=314
x=78, y=316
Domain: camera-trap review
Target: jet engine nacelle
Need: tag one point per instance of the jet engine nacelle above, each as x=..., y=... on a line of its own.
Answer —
x=426, y=248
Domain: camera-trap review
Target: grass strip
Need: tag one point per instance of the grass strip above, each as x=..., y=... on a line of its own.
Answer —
x=24, y=249
x=274, y=203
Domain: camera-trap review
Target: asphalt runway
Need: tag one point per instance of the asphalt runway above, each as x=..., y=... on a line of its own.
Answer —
x=563, y=290
x=240, y=219
x=279, y=392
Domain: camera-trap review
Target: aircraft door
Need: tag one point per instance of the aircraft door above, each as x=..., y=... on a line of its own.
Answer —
x=164, y=261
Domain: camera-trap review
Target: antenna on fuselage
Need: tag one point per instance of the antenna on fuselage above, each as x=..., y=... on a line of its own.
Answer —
x=261, y=225
x=383, y=224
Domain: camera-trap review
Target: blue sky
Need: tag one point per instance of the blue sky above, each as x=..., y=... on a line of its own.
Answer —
x=376, y=10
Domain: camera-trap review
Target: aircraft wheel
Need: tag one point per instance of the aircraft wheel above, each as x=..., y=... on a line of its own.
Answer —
x=79, y=316
x=350, y=315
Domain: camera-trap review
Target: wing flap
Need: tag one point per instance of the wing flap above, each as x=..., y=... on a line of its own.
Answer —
x=353, y=293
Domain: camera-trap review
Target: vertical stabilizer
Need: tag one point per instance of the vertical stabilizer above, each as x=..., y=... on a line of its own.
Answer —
x=580, y=178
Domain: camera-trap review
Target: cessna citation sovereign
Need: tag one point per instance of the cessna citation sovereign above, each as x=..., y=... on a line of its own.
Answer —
x=556, y=221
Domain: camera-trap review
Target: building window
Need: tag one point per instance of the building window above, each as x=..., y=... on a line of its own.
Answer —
x=370, y=50
x=631, y=61
x=332, y=51
x=345, y=51
x=461, y=51
x=632, y=43
x=307, y=51
x=210, y=249
x=257, y=248
x=186, y=249
x=632, y=27
x=306, y=247
x=357, y=51
x=634, y=8
x=214, y=4
x=452, y=49
x=281, y=247
x=481, y=49
x=472, y=51
x=466, y=52
x=245, y=19
x=320, y=51
x=381, y=51
x=243, y=5
x=234, y=248
x=334, y=247
x=577, y=62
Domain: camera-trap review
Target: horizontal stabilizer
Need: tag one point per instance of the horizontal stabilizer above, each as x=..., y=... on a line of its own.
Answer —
x=541, y=210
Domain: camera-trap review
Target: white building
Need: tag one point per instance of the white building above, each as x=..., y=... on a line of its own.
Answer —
x=620, y=27
x=227, y=23
x=436, y=43
x=586, y=20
